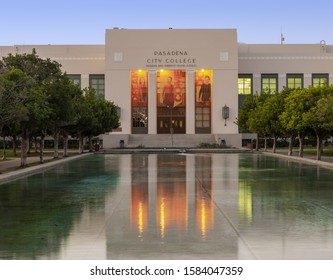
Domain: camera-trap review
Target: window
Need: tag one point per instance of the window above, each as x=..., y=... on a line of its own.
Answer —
x=319, y=80
x=269, y=82
x=139, y=117
x=294, y=81
x=203, y=98
x=245, y=84
x=139, y=98
x=97, y=82
x=202, y=117
x=76, y=78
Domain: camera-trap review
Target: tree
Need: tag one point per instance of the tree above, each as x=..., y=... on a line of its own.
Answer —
x=60, y=96
x=320, y=116
x=94, y=117
x=40, y=72
x=271, y=108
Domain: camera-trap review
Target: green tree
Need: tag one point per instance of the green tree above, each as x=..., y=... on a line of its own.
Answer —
x=60, y=96
x=41, y=72
x=320, y=116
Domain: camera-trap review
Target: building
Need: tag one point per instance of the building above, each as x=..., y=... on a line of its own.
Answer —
x=179, y=87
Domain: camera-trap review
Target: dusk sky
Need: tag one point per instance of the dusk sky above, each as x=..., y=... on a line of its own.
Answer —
x=84, y=22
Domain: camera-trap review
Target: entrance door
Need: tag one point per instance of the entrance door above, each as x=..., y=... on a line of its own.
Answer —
x=164, y=125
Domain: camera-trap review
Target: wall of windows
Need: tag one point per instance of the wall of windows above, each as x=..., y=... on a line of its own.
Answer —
x=98, y=83
x=139, y=100
x=203, y=95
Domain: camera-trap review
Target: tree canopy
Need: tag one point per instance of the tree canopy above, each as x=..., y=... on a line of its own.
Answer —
x=38, y=99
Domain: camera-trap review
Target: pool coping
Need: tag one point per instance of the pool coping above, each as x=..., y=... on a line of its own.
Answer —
x=321, y=163
x=13, y=175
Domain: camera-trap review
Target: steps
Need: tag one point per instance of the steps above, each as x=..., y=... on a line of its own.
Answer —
x=168, y=140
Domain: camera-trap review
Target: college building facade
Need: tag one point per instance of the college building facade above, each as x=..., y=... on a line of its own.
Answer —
x=179, y=87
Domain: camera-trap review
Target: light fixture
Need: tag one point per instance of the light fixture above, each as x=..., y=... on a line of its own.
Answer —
x=202, y=70
x=140, y=70
x=162, y=70
x=225, y=114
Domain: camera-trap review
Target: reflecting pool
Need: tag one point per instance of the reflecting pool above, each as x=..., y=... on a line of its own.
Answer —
x=170, y=206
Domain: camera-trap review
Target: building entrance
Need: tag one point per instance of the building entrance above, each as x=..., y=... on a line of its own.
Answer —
x=171, y=101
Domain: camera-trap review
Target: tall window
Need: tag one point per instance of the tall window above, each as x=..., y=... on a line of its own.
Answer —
x=269, y=82
x=98, y=83
x=319, y=80
x=245, y=87
x=171, y=101
x=294, y=81
x=139, y=98
x=203, y=98
x=76, y=78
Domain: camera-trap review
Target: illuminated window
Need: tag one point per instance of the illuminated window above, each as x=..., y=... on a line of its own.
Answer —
x=245, y=84
x=294, y=81
x=319, y=80
x=203, y=99
x=139, y=98
x=269, y=82
x=97, y=82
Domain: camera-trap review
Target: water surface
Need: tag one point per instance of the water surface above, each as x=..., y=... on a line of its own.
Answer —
x=170, y=206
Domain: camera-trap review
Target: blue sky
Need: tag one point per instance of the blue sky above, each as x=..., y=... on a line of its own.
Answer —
x=84, y=22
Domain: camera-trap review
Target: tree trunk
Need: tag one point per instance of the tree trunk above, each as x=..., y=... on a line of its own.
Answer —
x=319, y=147
x=290, y=148
x=90, y=144
x=4, y=157
x=41, y=149
x=274, y=144
x=257, y=143
x=56, y=145
x=265, y=144
x=24, y=148
x=35, y=142
x=14, y=145
x=65, y=146
x=301, y=146
x=81, y=145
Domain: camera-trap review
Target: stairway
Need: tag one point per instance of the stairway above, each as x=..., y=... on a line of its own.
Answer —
x=168, y=140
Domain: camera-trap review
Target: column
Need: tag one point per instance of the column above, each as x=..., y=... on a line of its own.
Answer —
x=152, y=107
x=190, y=103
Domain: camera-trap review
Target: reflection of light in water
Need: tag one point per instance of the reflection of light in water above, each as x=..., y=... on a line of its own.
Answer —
x=140, y=219
x=203, y=219
x=162, y=218
x=245, y=201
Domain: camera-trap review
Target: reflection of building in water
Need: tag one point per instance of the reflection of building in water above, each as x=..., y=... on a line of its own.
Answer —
x=139, y=194
x=245, y=201
x=204, y=207
x=171, y=195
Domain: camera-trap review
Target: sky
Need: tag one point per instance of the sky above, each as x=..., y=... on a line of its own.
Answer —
x=73, y=22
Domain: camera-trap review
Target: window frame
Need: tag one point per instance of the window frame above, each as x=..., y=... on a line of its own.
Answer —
x=320, y=76
x=270, y=76
x=97, y=77
x=295, y=76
